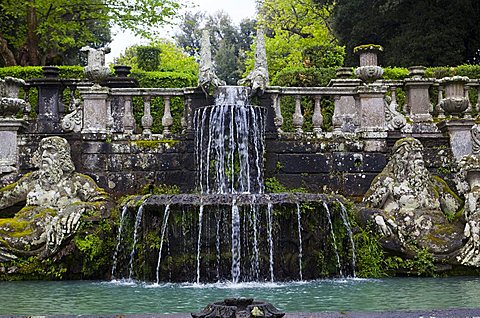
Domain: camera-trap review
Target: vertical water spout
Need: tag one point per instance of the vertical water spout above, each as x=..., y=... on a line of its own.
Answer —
x=217, y=243
x=270, y=239
x=344, y=214
x=236, y=252
x=199, y=241
x=300, y=243
x=138, y=221
x=255, y=261
x=119, y=240
x=166, y=214
x=327, y=210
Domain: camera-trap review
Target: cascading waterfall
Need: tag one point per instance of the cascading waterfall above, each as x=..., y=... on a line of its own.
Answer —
x=138, y=221
x=300, y=243
x=329, y=216
x=119, y=240
x=166, y=214
x=229, y=143
x=229, y=150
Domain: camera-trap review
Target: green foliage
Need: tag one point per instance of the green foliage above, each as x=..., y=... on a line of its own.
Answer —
x=148, y=57
x=33, y=268
x=272, y=185
x=160, y=189
x=298, y=35
x=42, y=32
x=29, y=72
x=395, y=73
x=370, y=256
x=95, y=244
x=446, y=33
x=160, y=55
x=304, y=77
x=421, y=265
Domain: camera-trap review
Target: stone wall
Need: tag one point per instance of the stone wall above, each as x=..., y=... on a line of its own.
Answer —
x=322, y=165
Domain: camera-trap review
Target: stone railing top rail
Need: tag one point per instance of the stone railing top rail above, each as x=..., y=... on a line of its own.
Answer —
x=152, y=91
x=310, y=90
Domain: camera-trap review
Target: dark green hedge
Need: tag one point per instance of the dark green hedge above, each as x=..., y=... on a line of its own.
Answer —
x=29, y=72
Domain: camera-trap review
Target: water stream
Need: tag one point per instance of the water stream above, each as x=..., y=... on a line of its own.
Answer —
x=166, y=214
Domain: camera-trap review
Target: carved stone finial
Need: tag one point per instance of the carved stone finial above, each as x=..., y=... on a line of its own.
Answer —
x=96, y=71
x=206, y=75
x=258, y=79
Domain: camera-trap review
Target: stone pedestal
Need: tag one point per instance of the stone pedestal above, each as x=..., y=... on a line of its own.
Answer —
x=418, y=105
x=460, y=136
x=345, y=117
x=96, y=110
x=370, y=106
x=50, y=106
x=9, y=144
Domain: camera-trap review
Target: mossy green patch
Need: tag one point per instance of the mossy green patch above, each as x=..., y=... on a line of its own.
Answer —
x=154, y=144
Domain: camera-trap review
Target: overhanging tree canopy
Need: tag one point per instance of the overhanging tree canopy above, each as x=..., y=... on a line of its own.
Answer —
x=32, y=32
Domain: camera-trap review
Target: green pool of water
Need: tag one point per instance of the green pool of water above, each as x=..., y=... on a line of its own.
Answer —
x=87, y=297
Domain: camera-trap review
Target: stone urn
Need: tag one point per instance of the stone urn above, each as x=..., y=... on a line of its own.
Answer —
x=10, y=104
x=369, y=71
x=96, y=71
x=454, y=102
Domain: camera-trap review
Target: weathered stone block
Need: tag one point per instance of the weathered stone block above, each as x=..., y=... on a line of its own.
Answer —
x=305, y=163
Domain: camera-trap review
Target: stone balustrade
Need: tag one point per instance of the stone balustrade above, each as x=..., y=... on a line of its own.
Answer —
x=415, y=105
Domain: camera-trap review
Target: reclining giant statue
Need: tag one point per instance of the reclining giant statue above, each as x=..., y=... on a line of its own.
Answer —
x=55, y=198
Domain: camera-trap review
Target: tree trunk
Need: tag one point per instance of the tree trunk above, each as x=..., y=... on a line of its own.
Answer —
x=32, y=38
x=6, y=53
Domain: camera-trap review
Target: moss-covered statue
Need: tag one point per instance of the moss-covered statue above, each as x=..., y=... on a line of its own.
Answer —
x=412, y=209
x=55, y=198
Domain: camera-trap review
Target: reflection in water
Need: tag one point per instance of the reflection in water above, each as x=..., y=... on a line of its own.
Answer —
x=129, y=297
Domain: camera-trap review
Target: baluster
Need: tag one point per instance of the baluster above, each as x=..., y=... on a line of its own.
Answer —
x=28, y=107
x=167, y=119
x=128, y=120
x=186, y=120
x=297, y=116
x=278, y=120
x=478, y=98
x=147, y=119
x=439, y=108
x=317, y=118
x=393, y=103
x=468, y=111
x=109, y=124
x=73, y=101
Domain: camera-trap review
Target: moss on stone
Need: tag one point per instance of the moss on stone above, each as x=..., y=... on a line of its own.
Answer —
x=154, y=144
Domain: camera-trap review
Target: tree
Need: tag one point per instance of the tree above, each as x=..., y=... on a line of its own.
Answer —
x=167, y=57
x=228, y=41
x=425, y=32
x=35, y=32
x=298, y=34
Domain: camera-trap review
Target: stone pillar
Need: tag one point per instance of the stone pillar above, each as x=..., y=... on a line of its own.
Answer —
x=345, y=117
x=96, y=112
x=370, y=105
x=8, y=144
x=459, y=131
x=50, y=106
x=418, y=105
